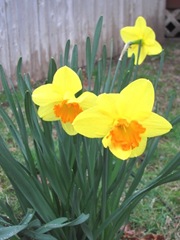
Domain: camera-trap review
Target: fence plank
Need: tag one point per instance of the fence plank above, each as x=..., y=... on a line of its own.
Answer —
x=4, y=45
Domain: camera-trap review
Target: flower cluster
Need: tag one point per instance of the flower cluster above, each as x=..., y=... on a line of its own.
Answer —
x=123, y=120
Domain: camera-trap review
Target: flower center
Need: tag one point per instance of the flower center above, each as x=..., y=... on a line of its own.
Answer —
x=126, y=135
x=67, y=111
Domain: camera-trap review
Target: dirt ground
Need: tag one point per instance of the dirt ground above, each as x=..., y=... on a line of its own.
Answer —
x=170, y=78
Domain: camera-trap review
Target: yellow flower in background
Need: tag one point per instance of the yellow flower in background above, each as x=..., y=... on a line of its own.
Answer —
x=143, y=34
x=124, y=120
x=57, y=100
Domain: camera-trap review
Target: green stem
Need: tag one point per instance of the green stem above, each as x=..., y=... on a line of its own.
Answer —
x=161, y=64
x=125, y=48
x=104, y=187
x=115, y=74
x=136, y=64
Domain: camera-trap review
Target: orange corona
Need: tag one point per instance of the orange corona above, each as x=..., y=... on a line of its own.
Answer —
x=126, y=135
x=67, y=111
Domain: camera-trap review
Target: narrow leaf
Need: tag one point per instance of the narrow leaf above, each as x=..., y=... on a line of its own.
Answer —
x=7, y=232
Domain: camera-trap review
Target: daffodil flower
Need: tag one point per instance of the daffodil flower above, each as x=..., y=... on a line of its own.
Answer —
x=57, y=100
x=143, y=35
x=124, y=120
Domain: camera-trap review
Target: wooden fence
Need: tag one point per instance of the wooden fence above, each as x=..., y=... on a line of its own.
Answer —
x=38, y=29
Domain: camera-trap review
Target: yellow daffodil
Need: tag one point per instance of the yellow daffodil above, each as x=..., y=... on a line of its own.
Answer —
x=57, y=100
x=124, y=120
x=144, y=35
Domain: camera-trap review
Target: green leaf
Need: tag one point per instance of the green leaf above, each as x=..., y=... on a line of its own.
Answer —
x=88, y=60
x=28, y=186
x=74, y=59
x=29, y=215
x=62, y=222
x=8, y=92
x=37, y=236
x=175, y=120
x=66, y=53
x=96, y=41
x=120, y=214
x=108, y=81
x=19, y=66
x=51, y=71
x=7, y=232
x=171, y=166
x=160, y=69
x=9, y=212
x=61, y=62
x=57, y=223
x=92, y=53
x=137, y=178
x=87, y=231
x=10, y=231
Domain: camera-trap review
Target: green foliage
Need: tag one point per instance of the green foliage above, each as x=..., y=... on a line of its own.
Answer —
x=69, y=187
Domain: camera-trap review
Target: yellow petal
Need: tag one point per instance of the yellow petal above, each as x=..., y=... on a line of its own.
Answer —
x=134, y=49
x=106, y=104
x=136, y=100
x=66, y=80
x=156, y=125
x=68, y=128
x=149, y=36
x=92, y=123
x=47, y=113
x=142, y=56
x=119, y=153
x=106, y=141
x=140, y=149
x=154, y=49
x=87, y=100
x=140, y=23
x=46, y=94
x=129, y=34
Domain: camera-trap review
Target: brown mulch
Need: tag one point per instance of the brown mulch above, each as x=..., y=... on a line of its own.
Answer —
x=130, y=234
